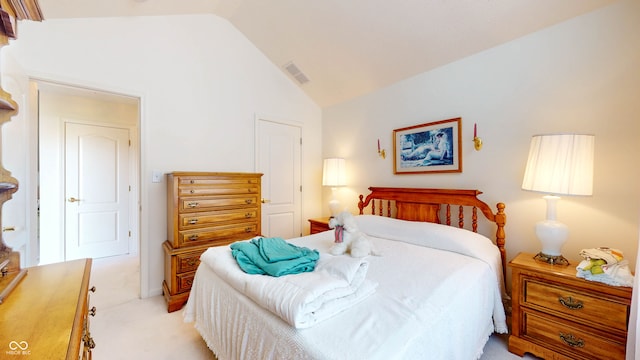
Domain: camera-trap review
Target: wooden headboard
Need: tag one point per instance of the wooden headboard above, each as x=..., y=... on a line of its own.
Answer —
x=431, y=205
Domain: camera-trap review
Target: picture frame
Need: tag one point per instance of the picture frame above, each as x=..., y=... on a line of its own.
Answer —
x=434, y=147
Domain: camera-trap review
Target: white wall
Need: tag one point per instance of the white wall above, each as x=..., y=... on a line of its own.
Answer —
x=200, y=82
x=579, y=76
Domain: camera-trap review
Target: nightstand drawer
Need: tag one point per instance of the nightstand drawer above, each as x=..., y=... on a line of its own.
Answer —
x=588, y=308
x=569, y=338
x=318, y=225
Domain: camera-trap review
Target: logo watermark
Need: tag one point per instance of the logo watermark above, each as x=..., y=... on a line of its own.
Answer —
x=18, y=348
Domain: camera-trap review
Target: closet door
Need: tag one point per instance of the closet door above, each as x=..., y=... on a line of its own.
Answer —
x=278, y=158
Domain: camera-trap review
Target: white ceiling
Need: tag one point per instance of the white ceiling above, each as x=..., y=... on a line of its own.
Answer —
x=348, y=48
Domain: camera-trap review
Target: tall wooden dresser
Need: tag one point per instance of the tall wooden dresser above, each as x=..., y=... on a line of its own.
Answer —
x=46, y=316
x=205, y=209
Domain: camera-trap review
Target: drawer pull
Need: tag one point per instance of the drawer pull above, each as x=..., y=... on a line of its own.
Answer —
x=92, y=312
x=570, y=303
x=193, y=221
x=248, y=201
x=192, y=191
x=248, y=229
x=571, y=340
x=193, y=204
x=93, y=289
x=192, y=181
x=248, y=215
x=193, y=237
x=88, y=341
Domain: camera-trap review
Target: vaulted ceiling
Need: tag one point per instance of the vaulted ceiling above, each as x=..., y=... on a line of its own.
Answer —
x=347, y=48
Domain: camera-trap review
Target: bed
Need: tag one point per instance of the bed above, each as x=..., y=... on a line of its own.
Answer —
x=436, y=291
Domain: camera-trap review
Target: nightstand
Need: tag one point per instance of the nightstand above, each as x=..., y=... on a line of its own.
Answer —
x=557, y=315
x=319, y=225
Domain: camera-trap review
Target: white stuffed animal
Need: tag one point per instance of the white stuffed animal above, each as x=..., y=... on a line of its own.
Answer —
x=348, y=237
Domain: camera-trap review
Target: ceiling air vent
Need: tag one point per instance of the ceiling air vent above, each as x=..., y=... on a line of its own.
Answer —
x=296, y=73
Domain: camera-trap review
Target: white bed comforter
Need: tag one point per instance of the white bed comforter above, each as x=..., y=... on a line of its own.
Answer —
x=302, y=300
x=447, y=238
x=438, y=297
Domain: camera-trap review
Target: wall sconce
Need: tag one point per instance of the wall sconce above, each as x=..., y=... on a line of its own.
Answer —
x=558, y=164
x=381, y=152
x=334, y=175
x=477, y=142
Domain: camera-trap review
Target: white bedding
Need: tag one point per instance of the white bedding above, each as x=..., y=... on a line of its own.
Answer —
x=301, y=300
x=435, y=303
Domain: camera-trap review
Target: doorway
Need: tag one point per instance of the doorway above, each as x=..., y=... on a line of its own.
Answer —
x=101, y=130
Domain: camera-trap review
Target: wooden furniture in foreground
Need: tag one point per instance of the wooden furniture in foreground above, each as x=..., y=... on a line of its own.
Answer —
x=318, y=225
x=205, y=209
x=435, y=205
x=10, y=272
x=557, y=315
x=47, y=314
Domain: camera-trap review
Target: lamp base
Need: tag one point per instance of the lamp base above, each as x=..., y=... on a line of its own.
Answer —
x=551, y=259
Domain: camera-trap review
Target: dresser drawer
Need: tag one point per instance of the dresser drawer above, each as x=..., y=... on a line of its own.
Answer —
x=201, y=219
x=188, y=261
x=220, y=181
x=218, y=235
x=212, y=202
x=566, y=300
x=184, y=281
x=203, y=187
x=571, y=339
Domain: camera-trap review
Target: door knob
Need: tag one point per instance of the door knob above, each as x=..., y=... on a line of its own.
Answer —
x=264, y=201
x=72, y=199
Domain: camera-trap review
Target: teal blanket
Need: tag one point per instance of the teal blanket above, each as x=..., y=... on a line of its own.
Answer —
x=273, y=256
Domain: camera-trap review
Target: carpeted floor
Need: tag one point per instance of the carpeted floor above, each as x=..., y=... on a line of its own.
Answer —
x=127, y=327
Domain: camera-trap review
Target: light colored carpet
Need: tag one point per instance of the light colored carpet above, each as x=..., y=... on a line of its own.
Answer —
x=127, y=327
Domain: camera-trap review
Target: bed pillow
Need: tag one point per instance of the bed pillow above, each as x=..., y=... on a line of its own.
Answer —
x=432, y=235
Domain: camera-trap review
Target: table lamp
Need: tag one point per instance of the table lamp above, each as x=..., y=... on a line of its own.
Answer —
x=334, y=175
x=558, y=164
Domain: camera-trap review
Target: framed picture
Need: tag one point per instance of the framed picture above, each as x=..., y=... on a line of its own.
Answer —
x=428, y=148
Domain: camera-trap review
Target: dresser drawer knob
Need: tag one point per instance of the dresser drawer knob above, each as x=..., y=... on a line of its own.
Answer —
x=248, y=201
x=248, y=215
x=92, y=312
x=193, y=237
x=193, y=204
x=192, y=262
x=570, y=303
x=192, y=191
x=193, y=221
x=571, y=340
x=93, y=289
x=248, y=229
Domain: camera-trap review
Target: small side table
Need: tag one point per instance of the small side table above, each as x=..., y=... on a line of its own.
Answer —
x=319, y=225
x=557, y=315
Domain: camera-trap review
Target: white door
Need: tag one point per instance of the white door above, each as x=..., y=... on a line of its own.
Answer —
x=278, y=156
x=96, y=191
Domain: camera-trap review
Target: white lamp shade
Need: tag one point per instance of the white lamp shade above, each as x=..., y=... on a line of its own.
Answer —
x=560, y=164
x=333, y=172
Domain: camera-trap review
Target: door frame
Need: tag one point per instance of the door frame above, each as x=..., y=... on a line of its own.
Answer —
x=278, y=120
x=138, y=244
